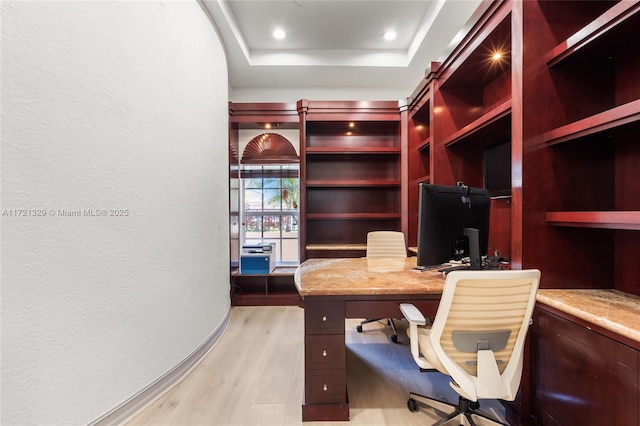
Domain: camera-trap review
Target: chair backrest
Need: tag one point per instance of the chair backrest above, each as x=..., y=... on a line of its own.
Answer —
x=479, y=331
x=386, y=244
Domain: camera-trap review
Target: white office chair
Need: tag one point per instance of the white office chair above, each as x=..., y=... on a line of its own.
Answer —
x=477, y=338
x=385, y=244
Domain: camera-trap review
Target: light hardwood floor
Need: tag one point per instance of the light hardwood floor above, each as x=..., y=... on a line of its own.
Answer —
x=255, y=376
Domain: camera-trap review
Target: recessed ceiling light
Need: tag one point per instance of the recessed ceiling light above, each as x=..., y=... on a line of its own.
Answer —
x=389, y=35
x=279, y=33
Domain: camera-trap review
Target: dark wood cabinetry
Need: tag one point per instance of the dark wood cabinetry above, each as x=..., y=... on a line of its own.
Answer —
x=582, y=100
x=419, y=146
x=325, y=394
x=351, y=177
x=581, y=197
x=580, y=376
x=566, y=96
x=275, y=289
x=558, y=81
x=472, y=100
x=462, y=107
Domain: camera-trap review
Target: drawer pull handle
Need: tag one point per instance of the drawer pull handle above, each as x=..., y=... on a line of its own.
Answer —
x=325, y=387
x=324, y=318
x=324, y=352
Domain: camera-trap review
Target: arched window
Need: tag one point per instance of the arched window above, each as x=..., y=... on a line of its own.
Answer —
x=269, y=173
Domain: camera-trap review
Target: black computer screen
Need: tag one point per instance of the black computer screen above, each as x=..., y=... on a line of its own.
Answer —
x=444, y=213
x=497, y=169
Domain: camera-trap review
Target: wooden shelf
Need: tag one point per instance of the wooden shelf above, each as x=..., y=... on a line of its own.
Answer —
x=346, y=111
x=629, y=220
x=503, y=110
x=461, y=69
x=424, y=146
x=353, y=150
x=278, y=271
x=619, y=14
x=273, y=289
x=351, y=153
x=255, y=115
x=353, y=183
x=353, y=216
x=615, y=117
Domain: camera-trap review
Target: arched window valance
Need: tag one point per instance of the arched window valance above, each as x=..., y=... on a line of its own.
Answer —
x=269, y=148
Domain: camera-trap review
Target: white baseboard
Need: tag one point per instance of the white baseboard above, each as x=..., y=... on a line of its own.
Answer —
x=131, y=407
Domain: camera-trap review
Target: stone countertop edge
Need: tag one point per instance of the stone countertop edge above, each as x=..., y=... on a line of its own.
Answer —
x=612, y=310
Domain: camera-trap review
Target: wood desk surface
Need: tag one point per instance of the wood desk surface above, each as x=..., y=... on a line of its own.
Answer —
x=365, y=276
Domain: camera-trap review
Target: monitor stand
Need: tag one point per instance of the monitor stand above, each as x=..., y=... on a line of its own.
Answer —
x=475, y=263
x=474, y=248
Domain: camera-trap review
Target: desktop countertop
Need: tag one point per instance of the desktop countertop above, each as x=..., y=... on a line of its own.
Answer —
x=610, y=309
x=365, y=276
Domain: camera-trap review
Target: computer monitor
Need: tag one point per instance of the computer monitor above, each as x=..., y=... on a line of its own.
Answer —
x=497, y=169
x=453, y=224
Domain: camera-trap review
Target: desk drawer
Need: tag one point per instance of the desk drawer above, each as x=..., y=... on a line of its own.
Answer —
x=324, y=351
x=323, y=317
x=388, y=308
x=325, y=386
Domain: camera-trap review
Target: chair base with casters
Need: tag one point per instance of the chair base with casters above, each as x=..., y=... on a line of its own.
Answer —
x=394, y=336
x=462, y=414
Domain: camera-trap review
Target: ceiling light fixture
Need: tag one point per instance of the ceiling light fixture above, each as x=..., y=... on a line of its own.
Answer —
x=389, y=35
x=279, y=34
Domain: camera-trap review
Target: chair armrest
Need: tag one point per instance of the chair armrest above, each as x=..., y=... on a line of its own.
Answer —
x=412, y=314
x=415, y=318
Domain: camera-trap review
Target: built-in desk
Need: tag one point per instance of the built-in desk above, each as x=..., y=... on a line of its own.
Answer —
x=585, y=358
x=614, y=313
x=584, y=352
x=335, y=289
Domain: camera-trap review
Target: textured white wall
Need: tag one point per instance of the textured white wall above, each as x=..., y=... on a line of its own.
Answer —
x=108, y=105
